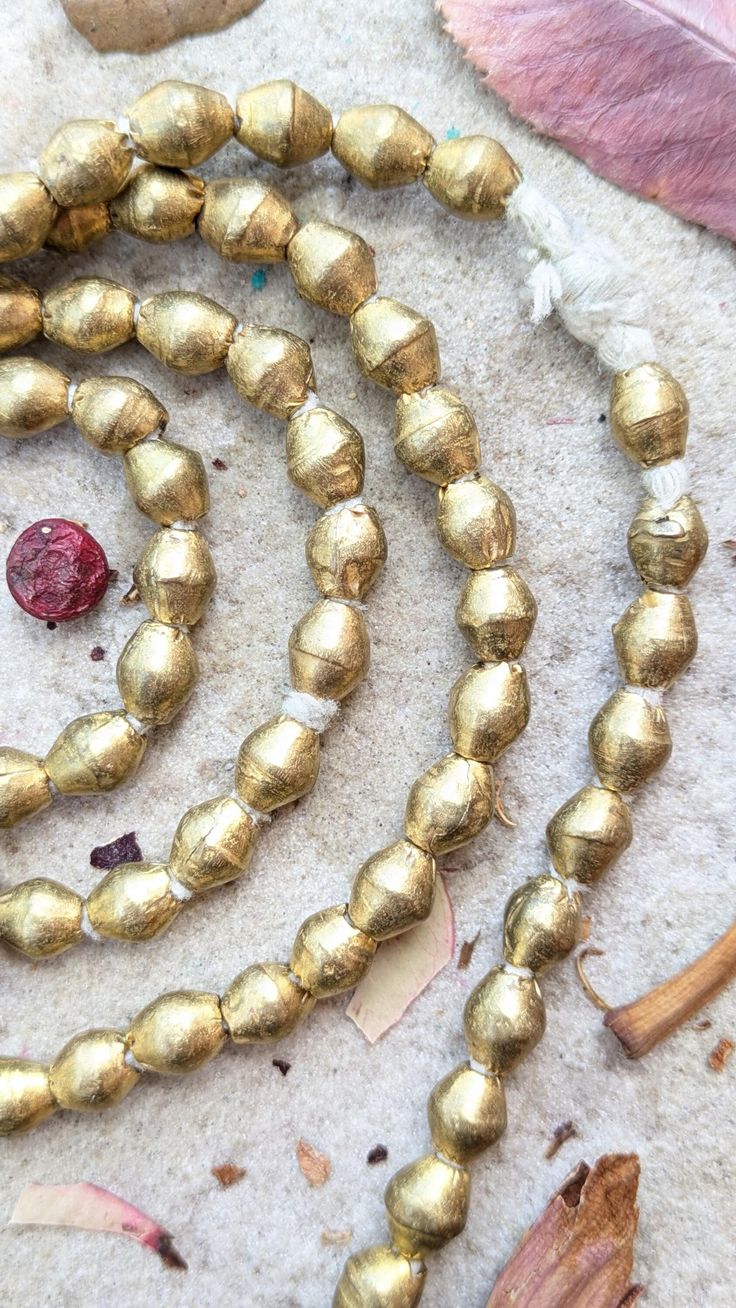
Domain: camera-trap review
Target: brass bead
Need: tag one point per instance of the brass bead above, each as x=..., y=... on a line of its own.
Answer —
x=541, y=923
x=185, y=330
x=89, y=315
x=85, y=161
x=667, y=546
x=73, y=230
x=167, y=481
x=177, y=1032
x=114, y=413
x=133, y=902
x=26, y=214
x=346, y=550
x=94, y=753
x=332, y=267
x=587, y=834
x=91, y=1073
x=329, y=954
x=277, y=763
x=395, y=346
x=450, y=804
x=24, y=786
x=435, y=436
x=649, y=414
x=329, y=650
x=179, y=125
x=283, y=124
x=33, y=397
x=393, y=890
x=20, y=313
x=158, y=204
x=325, y=457
x=476, y=522
x=496, y=613
x=25, y=1096
x=264, y=1003
x=245, y=220
x=655, y=639
x=212, y=844
x=427, y=1205
x=40, y=918
x=378, y=1277
x=175, y=576
x=629, y=741
x=271, y=369
x=472, y=176
x=381, y=145
x=157, y=671
x=467, y=1113
x=489, y=707
x=504, y=1019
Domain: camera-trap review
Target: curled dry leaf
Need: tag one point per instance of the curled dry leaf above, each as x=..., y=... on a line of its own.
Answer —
x=228, y=1174
x=719, y=1056
x=92, y=1208
x=143, y=25
x=316, y=1167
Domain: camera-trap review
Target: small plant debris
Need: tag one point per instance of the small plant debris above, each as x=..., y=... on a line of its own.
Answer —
x=220, y=464
x=314, y=1166
x=337, y=1238
x=228, y=1174
x=281, y=1064
x=466, y=952
x=561, y=1134
x=123, y=850
x=378, y=1154
x=97, y=653
x=719, y=1056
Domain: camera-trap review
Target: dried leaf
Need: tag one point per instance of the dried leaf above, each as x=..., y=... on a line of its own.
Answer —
x=378, y=1154
x=466, y=952
x=645, y=93
x=403, y=968
x=228, y=1174
x=561, y=1134
x=91, y=1208
x=281, y=1064
x=329, y=1237
x=316, y=1167
x=123, y=850
x=143, y=25
x=719, y=1056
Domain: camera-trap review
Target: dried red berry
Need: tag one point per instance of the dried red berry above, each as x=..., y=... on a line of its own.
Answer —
x=56, y=570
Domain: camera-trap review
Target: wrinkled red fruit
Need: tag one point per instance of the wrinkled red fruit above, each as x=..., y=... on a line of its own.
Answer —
x=56, y=570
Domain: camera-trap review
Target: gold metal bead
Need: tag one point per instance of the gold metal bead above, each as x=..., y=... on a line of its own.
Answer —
x=472, y=176
x=212, y=844
x=277, y=763
x=346, y=550
x=329, y=650
x=325, y=457
x=427, y=1205
x=157, y=671
x=40, y=918
x=504, y=1020
x=20, y=313
x=27, y=211
x=541, y=923
x=245, y=220
x=332, y=267
x=655, y=639
x=114, y=413
x=158, y=204
x=283, y=124
x=629, y=741
x=329, y=954
x=167, y=481
x=395, y=346
x=133, y=902
x=73, y=230
x=496, y=613
x=89, y=315
x=33, y=397
x=467, y=1113
x=450, y=804
x=85, y=161
x=177, y=1032
x=185, y=330
x=649, y=414
x=25, y=1096
x=667, y=546
x=271, y=369
x=179, y=125
x=24, y=786
x=95, y=753
x=175, y=576
x=489, y=707
x=435, y=436
x=381, y=145
x=393, y=890
x=91, y=1073
x=587, y=834
x=378, y=1277
x=476, y=522
x=264, y=1003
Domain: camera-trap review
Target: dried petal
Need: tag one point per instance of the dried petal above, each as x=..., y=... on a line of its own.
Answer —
x=316, y=1167
x=719, y=1056
x=123, y=850
x=56, y=571
x=228, y=1174
x=143, y=25
x=91, y=1208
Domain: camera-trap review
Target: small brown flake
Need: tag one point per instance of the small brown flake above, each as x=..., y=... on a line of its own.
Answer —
x=338, y=1238
x=561, y=1134
x=704, y=1024
x=220, y=464
x=123, y=850
x=378, y=1154
x=314, y=1166
x=228, y=1174
x=719, y=1056
x=97, y=653
x=281, y=1064
x=466, y=952
x=586, y=926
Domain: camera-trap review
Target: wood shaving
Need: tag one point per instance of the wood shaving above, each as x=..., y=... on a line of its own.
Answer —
x=719, y=1056
x=466, y=952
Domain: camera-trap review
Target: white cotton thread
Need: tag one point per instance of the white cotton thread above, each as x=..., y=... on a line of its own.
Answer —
x=70, y=393
x=651, y=696
x=360, y=605
x=136, y=312
x=309, y=709
x=667, y=483
x=255, y=814
x=142, y=728
x=513, y=970
x=355, y=502
x=475, y=1066
x=312, y=402
x=450, y=1162
x=130, y=1059
x=417, y=1266
x=572, y=886
x=184, y=524
x=88, y=929
x=179, y=891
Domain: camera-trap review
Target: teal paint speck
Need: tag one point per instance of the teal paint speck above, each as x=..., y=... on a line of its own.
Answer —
x=258, y=279
x=452, y=133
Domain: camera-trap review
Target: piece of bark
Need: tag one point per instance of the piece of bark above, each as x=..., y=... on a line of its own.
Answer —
x=143, y=25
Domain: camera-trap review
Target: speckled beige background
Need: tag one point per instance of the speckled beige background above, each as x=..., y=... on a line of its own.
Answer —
x=259, y=1243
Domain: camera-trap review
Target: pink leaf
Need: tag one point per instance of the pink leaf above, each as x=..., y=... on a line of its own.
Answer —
x=403, y=968
x=92, y=1209
x=643, y=90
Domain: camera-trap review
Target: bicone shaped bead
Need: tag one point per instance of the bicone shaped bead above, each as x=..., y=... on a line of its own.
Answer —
x=89, y=315
x=271, y=369
x=496, y=613
x=379, y=1277
x=325, y=456
x=40, y=917
x=185, y=330
x=245, y=220
x=177, y=1032
x=394, y=345
x=158, y=205
x=629, y=740
x=25, y=1095
x=73, y=230
x=427, y=1205
x=277, y=763
x=20, y=314
x=655, y=639
x=467, y=1113
x=332, y=267
x=472, y=176
x=157, y=671
x=86, y=161
x=24, y=786
x=115, y=413
x=329, y=650
x=504, y=1020
x=541, y=923
x=393, y=890
x=476, y=522
x=667, y=546
x=649, y=414
x=212, y=844
x=329, y=954
x=33, y=397
x=179, y=124
x=133, y=902
x=489, y=707
x=95, y=753
x=27, y=211
x=90, y=1072
x=283, y=124
x=346, y=550
x=450, y=804
x=435, y=436
x=587, y=834
x=381, y=145
x=167, y=481
x=175, y=576
x=264, y=1003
